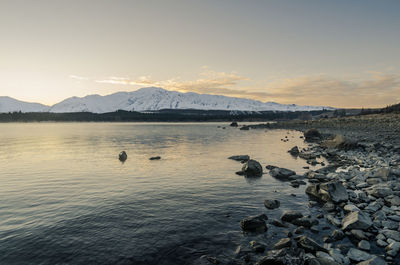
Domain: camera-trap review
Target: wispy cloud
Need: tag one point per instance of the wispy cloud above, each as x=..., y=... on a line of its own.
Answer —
x=77, y=77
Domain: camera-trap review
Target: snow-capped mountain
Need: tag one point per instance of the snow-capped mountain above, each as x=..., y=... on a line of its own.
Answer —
x=154, y=98
x=8, y=104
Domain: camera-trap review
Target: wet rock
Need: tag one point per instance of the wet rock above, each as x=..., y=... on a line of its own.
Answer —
x=337, y=235
x=272, y=204
x=305, y=221
x=312, y=135
x=283, y=243
x=322, y=259
x=123, y=156
x=254, y=223
x=257, y=247
x=358, y=255
x=364, y=245
x=155, y=158
x=331, y=191
x=240, y=158
x=289, y=216
x=309, y=245
x=294, y=151
x=270, y=167
x=234, y=124
x=356, y=220
x=206, y=260
x=252, y=168
x=277, y=223
x=282, y=173
x=373, y=261
x=393, y=249
x=285, y=256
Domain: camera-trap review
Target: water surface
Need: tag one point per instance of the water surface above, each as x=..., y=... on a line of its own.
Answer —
x=67, y=199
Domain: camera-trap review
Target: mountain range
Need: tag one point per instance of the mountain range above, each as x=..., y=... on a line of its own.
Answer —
x=150, y=99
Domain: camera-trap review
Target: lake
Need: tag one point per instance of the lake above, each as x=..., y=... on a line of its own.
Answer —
x=67, y=199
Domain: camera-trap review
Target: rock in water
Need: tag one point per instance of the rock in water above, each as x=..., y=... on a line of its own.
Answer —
x=289, y=216
x=123, y=156
x=155, y=158
x=294, y=151
x=282, y=173
x=272, y=204
x=356, y=220
x=254, y=223
x=234, y=124
x=252, y=168
x=240, y=158
x=331, y=191
x=312, y=135
x=309, y=245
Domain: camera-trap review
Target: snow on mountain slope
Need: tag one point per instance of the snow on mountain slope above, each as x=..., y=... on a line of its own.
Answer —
x=154, y=98
x=8, y=104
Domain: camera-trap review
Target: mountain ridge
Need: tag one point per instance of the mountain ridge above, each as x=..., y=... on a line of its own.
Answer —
x=150, y=99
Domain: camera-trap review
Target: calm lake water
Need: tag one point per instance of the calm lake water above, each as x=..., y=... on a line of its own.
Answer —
x=65, y=198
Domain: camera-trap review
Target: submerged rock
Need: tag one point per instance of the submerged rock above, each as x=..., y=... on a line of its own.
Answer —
x=254, y=223
x=289, y=216
x=252, y=168
x=282, y=173
x=155, y=158
x=271, y=204
x=123, y=156
x=240, y=158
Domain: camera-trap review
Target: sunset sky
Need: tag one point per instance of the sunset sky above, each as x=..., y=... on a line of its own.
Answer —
x=336, y=53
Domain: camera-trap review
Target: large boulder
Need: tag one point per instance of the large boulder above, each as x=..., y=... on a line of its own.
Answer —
x=122, y=156
x=252, y=168
x=356, y=220
x=312, y=135
x=254, y=223
x=330, y=191
x=282, y=173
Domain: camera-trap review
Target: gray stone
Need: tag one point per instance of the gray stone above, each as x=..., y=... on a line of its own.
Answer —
x=358, y=255
x=294, y=151
x=373, y=261
x=364, y=245
x=331, y=191
x=282, y=173
x=304, y=221
x=356, y=220
x=393, y=249
x=257, y=247
x=395, y=235
x=379, y=190
x=283, y=243
x=309, y=245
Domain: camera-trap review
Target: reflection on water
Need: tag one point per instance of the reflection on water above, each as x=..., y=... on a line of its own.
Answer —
x=67, y=199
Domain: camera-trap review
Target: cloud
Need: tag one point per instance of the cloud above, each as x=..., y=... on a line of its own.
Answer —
x=80, y=78
x=376, y=89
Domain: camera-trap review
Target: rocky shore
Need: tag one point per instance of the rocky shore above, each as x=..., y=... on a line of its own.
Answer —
x=357, y=196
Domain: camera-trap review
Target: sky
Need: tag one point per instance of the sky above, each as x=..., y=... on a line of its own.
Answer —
x=335, y=53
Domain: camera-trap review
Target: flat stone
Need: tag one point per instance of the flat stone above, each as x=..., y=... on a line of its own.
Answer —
x=358, y=255
x=282, y=173
x=364, y=245
x=331, y=191
x=356, y=220
x=283, y=243
x=240, y=158
x=309, y=245
x=373, y=261
x=393, y=249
